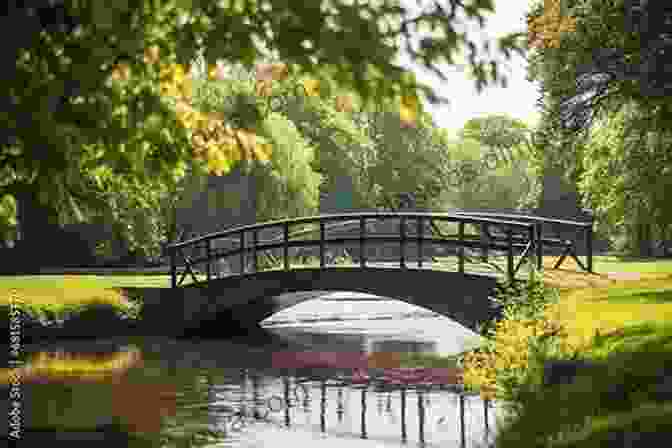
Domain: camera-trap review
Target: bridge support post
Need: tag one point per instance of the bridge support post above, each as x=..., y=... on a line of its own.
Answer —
x=362, y=238
x=460, y=250
x=484, y=242
x=322, y=240
x=539, y=245
x=402, y=235
x=420, y=234
x=173, y=269
x=255, y=257
x=242, y=252
x=532, y=255
x=509, y=255
x=208, y=254
x=285, y=247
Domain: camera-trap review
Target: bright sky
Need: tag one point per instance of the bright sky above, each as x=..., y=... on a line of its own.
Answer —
x=517, y=100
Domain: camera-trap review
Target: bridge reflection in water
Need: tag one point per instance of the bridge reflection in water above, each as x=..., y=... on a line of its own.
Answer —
x=342, y=405
x=184, y=398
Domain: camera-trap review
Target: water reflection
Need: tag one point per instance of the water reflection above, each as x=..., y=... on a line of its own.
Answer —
x=215, y=393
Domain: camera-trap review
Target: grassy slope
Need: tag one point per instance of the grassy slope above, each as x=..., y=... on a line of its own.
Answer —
x=605, y=305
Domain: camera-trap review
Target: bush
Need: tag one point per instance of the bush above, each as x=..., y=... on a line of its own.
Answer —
x=518, y=344
x=95, y=318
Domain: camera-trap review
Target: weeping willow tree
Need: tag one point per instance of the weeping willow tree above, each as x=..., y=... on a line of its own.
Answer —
x=323, y=114
x=287, y=186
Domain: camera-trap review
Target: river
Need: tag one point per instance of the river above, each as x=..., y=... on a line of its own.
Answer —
x=223, y=393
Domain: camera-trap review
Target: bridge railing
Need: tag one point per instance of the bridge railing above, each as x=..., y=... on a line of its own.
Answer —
x=510, y=237
x=547, y=225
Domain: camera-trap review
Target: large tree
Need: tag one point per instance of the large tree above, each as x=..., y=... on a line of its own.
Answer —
x=637, y=161
x=494, y=158
x=593, y=55
x=594, y=60
x=97, y=90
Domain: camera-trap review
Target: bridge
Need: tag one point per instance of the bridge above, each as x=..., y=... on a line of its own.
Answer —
x=449, y=263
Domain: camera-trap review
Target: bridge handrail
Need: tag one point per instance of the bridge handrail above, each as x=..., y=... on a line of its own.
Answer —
x=528, y=217
x=518, y=234
x=539, y=221
x=380, y=239
x=280, y=237
x=336, y=217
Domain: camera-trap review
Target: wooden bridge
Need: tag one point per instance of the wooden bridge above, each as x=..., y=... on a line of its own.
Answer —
x=501, y=242
x=449, y=263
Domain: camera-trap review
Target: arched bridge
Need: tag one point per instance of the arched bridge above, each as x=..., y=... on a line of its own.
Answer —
x=446, y=262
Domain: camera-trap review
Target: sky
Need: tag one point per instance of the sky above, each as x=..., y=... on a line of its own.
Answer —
x=517, y=100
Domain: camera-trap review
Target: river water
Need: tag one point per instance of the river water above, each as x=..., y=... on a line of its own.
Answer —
x=217, y=393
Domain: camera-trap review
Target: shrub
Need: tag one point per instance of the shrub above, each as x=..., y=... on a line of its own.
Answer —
x=518, y=344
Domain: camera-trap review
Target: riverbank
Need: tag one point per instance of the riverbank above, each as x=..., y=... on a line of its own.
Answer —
x=600, y=351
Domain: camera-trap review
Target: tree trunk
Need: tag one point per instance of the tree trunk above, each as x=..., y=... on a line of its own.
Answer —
x=38, y=228
x=42, y=242
x=643, y=237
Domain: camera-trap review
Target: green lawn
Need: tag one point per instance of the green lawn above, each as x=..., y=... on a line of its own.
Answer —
x=72, y=289
x=612, y=306
x=608, y=264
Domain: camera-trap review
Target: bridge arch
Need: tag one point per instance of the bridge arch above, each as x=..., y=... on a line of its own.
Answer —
x=248, y=300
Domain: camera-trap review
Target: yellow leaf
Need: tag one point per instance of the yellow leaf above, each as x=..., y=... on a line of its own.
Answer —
x=262, y=152
x=312, y=86
x=151, y=55
x=408, y=110
x=263, y=88
x=122, y=72
x=344, y=103
x=186, y=88
x=247, y=139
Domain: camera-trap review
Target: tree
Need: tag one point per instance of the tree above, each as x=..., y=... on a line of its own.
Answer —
x=592, y=56
x=99, y=91
x=637, y=162
x=610, y=59
x=396, y=160
x=498, y=132
x=494, y=166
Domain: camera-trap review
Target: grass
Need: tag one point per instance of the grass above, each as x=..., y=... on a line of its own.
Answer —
x=621, y=315
x=63, y=290
x=621, y=264
x=609, y=305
